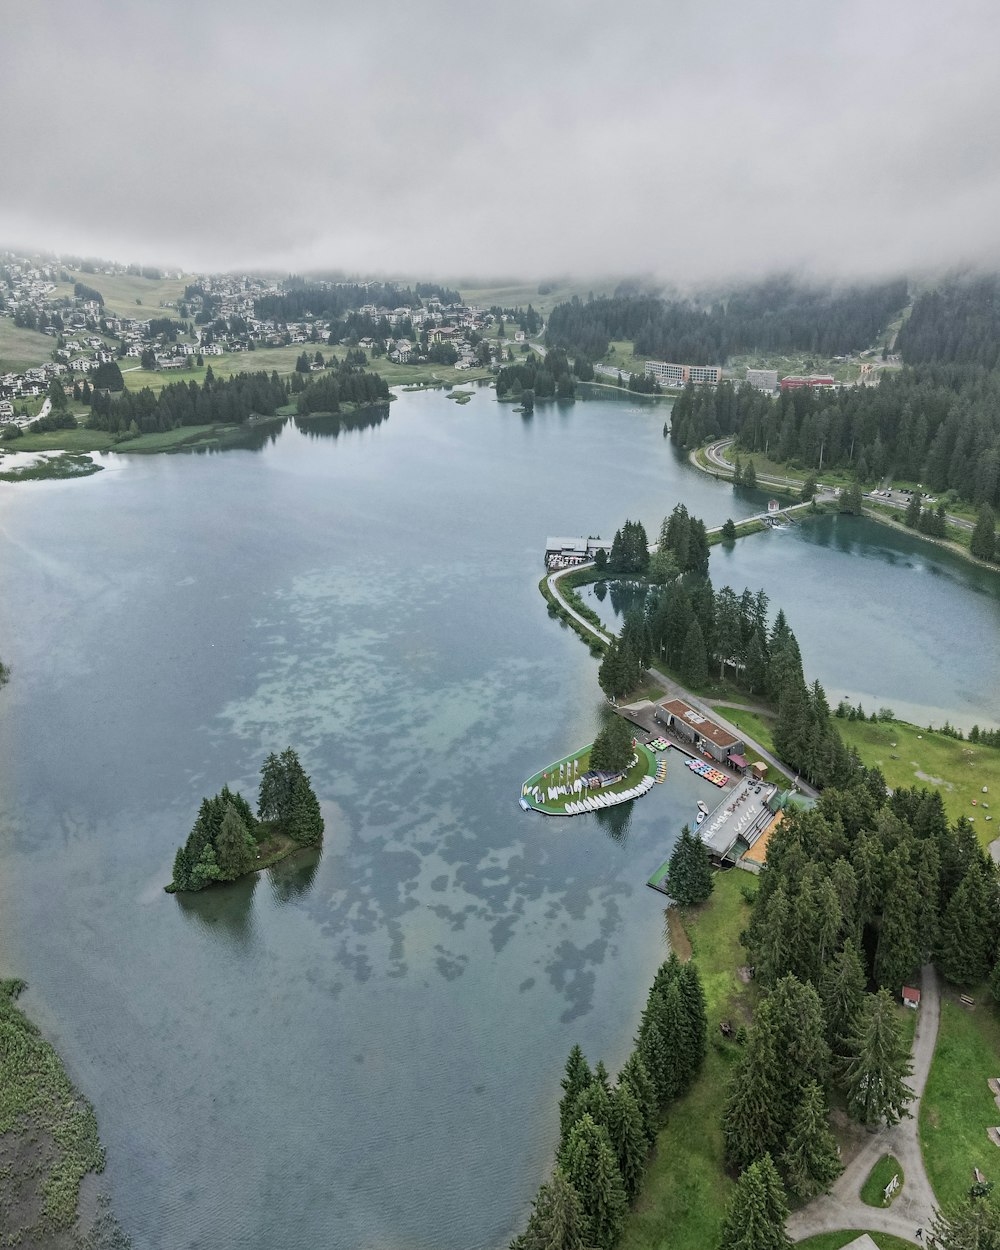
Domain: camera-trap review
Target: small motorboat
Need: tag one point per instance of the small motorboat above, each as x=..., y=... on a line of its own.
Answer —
x=701, y=817
x=703, y=807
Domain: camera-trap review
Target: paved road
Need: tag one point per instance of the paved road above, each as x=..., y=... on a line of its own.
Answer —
x=913, y=1209
x=674, y=691
x=715, y=454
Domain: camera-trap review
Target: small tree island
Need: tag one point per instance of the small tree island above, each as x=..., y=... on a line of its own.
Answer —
x=228, y=841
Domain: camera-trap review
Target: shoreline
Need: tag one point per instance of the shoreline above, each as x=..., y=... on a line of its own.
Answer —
x=873, y=512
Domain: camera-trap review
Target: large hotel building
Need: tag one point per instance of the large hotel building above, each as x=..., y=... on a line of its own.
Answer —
x=680, y=375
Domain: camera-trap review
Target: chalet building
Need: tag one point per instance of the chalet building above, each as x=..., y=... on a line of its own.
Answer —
x=701, y=732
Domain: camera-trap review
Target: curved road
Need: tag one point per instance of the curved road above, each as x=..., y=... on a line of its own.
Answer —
x=715, y=454
x=842, y=1208
x=671, y=688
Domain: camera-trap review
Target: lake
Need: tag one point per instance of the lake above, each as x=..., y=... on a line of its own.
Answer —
x=362, y=1047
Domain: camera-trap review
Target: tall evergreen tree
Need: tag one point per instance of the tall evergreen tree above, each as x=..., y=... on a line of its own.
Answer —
x=842, y=990
x=810, y=1159
x=627, y=1133
x=234, y=846
x=983, y=542
x=755, y=1218
x=874, y=1077
x=589, y=1163
x=969, y=927
x=696, y=1013
x=577, y=1078
x=694, y=657
x=557, y=1221
x=635, y=1075
x=690, y=874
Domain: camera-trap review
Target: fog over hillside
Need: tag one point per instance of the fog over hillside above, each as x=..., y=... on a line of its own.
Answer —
x=690, y=141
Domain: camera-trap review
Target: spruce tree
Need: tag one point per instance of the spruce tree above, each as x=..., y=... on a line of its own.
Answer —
x=557, y=1221
x=750, y=1121
x=234, y=846
x=755, y=1218
x=842, y=990
x=589, y=1163
x=652, y=1048
x=671, y=1019
x=694, y=656
x=696, y=1014
x=874, y=1078
x=637, y=1078
x=305, y=821
x=984, y=540
x=690, y=878
x=182, y=868
x=577, y=1078
x=900, y=941
x=810, y=1158
x=594, y=1101
x=627, y=1133
x=967, y=945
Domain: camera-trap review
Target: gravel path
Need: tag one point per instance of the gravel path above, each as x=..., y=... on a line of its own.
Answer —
x=913, y=1209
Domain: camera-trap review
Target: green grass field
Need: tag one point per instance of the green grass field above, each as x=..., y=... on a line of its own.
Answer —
x=957, y=1107
x=686, y=1190
x=21, y=349
x=879, y=1178
x=81, y=439
x=837, y=1241
x=757, y=727
x=918, y=758
x=121, y=291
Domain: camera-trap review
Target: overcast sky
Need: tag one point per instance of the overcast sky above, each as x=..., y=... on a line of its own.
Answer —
x=690, y=140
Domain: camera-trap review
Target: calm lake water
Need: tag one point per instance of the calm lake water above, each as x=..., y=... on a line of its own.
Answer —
x=362, y=1048
x=880, y=615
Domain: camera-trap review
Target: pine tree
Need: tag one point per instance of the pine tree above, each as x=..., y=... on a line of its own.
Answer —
x=842, y=990
x=983, y=542
x=972, y=1224
x=967, y=947
x=874, y=1077
x=750, y=1122
x=690, y=876
x=810, y=1159
x=750, y=475
x=755, y=1218
x=695, y=1012
x=234, y=846
x=694, y=656
x=577, y=1078
x=635, y=1075
x=653, y=1051
x=900, y=941
x=182, y=869
x=671, y=1019
x=205, y=871
x=591, y=1168
x=557, y=1221
x=612, y=749
x=627, y=1133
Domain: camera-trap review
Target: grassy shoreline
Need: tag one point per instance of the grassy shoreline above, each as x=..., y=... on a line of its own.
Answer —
x=48, y=1133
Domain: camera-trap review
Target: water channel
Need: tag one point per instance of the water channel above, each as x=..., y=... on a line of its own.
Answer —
x=362, y=1047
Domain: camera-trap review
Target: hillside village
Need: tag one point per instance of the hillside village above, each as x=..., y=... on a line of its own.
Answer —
x=220, y=315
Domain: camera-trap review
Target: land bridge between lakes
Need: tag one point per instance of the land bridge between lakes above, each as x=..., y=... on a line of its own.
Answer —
x=671, y=688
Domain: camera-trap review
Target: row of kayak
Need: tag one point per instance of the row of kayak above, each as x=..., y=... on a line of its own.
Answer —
x=596, y=801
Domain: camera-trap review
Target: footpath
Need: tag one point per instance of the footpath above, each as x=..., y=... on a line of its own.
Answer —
x=672, y=689
x=914, y=1208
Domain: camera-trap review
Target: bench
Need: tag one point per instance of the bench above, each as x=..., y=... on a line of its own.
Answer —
x=966, y=1001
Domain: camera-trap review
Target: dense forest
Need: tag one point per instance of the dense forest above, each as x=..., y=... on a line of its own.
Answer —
x=959, y=323
x=776, y=316
x=936, y=424
x=543, y=378
x=299, y=301
x=232, y=401
x=229, y=401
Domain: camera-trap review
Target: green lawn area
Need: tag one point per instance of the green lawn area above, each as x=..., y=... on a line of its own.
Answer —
x=121, y=290
x=82, y=439
x=686, y=1189
x=959, y=770
x=751, y=724
x=836, y=1241
x=957, y=1107
x=879, y=1178
x=644, y=766
x=22, y=349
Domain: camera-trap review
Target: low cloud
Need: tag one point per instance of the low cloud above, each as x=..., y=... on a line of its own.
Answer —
x=694, y=142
